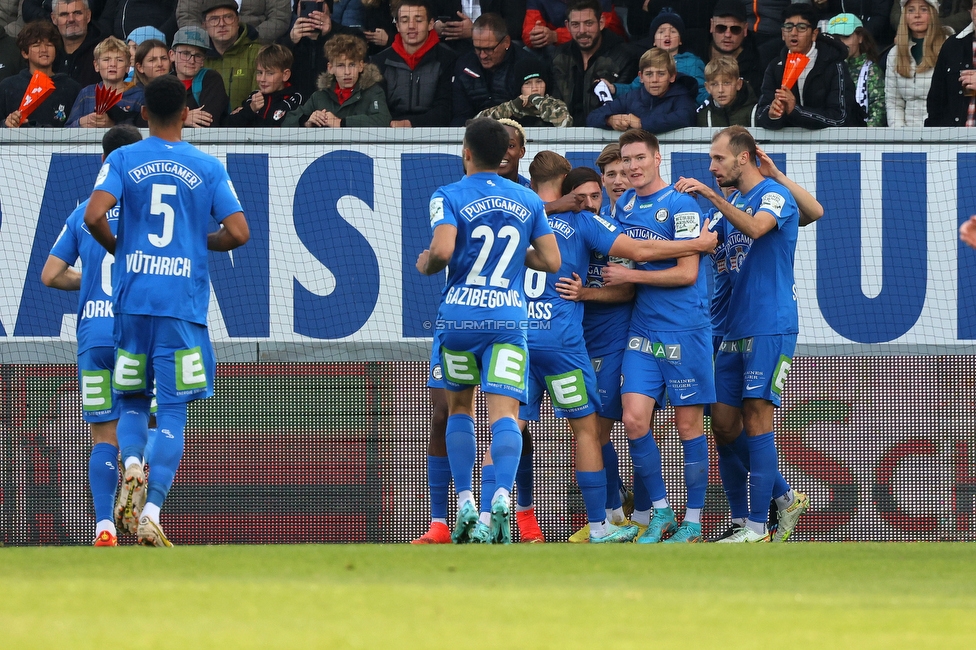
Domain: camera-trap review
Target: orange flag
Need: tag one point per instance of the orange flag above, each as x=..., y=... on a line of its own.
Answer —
x=39, y=89
x=795, y=63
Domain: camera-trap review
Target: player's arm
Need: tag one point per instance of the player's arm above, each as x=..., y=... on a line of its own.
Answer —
x=233, y=232
x=572, y=289
x=58, y=275
x=95, y=218
x=754, y=226
x=810, y=208
x=682, y=274
x=544, y=254
x=653, y=250
x=436, y=258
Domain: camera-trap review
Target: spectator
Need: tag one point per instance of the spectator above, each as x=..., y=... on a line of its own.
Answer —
x=824, y=94
x=911, y=62
x=418, y=69
x=952, y=96
x=729, y=36
x=269, y=18
x=730, y=100
x=873, y=14
x=76, y=58
x=112, y=64
x=152, y=60
x=307, y=39
x=545, y=23
x=664, y=102
x=373, y=17
x=667, y=33
x=454, y=26
x=350, y=93
x=695, y=14
x=764, y=18
x=32, y=10
x=232, y=51
x=486, y=77
x=121, y=17
x=10, y=60
x=954, y=14
x=137, y=37
x=205, y=94
x=533, y=107
x=862, y=66
x=275, y=96
x=38, y=42
x=594, y=53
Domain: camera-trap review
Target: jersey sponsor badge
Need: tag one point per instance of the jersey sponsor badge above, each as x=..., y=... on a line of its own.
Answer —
x=278, y=114
x=436, y=209
x=102, y=175
x=606, y=224
x=687, y=225
x=661, y=215
x=630, y=204
x=773, y=202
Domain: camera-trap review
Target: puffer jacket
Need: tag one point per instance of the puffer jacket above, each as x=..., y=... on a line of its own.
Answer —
x=366, y=106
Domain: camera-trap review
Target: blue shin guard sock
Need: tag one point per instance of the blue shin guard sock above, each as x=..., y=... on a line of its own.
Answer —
x=642, y=500
x=461, y=450
x=647, y=463
x=167, y=452
x=780, y=486
x=762, y=474
x=523, y=478
x=487, y=487
x=438, y=482
x=103, y=478
x=593, y=485
x=506, y=449
x=133, y=427
x=696, y=470
x=735, y=480
x=611, y=468
x=741, y=448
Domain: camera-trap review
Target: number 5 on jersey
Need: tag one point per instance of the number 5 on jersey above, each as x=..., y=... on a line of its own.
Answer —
x=158, y=207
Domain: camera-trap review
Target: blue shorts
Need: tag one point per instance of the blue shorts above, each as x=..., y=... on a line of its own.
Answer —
x=498, y=362
x=175, y=354
x=95, y=385
x=672, y=365
x=607, y=369
x=435, y=375
x=753, y=368
x=567, y=375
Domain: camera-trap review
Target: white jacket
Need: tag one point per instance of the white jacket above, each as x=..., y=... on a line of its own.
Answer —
x=905, y=97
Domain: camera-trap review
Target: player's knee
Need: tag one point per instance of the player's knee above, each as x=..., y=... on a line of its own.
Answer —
x=635, y=425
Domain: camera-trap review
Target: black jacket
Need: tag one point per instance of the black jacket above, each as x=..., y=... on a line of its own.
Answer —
x=947, y=104
x=310, y=59
x=276, y=107
x=742, y=110
x=476, y=89
x=422, y=95
x=80, y=64
x=828, y=95
x=213, y=97
x=615, y=61
x=122, y=16
x=53, y=111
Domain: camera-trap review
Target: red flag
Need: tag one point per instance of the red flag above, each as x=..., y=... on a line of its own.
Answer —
x=39, y=89
x=105, y=98
x=795, y=63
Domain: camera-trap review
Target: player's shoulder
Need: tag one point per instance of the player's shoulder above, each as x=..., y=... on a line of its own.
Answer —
x=681, y=201
x=774, y=197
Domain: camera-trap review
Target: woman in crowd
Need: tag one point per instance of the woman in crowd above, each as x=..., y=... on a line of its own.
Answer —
x=862, y=63
x=911, y=61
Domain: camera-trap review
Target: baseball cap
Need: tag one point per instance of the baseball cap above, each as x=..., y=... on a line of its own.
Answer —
x=843, y=25
x=192, y=35
x=210, y=5
x=731, y=9
x=934, y=3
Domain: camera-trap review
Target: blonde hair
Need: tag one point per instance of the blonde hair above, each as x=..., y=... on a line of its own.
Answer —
x=112, y=44
x=515, y=125
x=931, y=44
x=722, y=66
x=658, y=58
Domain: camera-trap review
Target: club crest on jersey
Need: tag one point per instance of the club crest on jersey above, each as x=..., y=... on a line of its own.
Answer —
x=278, y=114
x=749, y=210
x=630, y=204
x=165, y=168
x=661, y=215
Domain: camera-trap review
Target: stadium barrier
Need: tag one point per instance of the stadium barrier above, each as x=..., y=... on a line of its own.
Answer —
x=322, y=325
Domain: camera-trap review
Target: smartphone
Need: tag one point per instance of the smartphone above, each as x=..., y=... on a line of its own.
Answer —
x=602, y=91
x=448, y=19
x=306, y=7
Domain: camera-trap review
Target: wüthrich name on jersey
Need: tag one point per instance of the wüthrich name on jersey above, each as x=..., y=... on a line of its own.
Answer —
x=490, y=298
x=140, y=262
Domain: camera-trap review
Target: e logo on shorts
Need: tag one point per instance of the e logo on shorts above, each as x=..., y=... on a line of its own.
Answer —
x=190, y=373
x=568, y=389
x=779, y=375
x=508, y=365
x=459, y=367
x=130, y=371
x=96, y=390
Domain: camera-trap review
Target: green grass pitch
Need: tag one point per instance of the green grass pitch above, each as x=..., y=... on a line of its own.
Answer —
x=546, y=596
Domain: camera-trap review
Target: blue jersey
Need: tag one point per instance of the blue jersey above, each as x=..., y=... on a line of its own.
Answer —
x=665, y=215
x=173, y=191
x=727, y=261
x=96, y=318
x=764, y=292
x=496, y=222
x=605, y=324
x=560, y=321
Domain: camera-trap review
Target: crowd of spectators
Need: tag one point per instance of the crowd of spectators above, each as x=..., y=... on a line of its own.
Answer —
x=659, y=65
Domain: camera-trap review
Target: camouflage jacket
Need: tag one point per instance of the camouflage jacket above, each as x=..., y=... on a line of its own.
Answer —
x=869, y=89
x=543, y=110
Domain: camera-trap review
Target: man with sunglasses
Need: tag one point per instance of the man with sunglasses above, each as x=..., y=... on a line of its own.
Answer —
x=729, y=36
x=824, y=94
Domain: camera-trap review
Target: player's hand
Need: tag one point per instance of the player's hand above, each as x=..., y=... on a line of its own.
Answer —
x=786, y=99
x=570, y=288
x=615, y=274
x=566, y=203
x=317, y=118
x=695, y=188
x=13, y=120
x=257, y=101
x=422, y=261
x=967, y=232
x=619, y=122
x=198, y=117
x=766, y=165
x=708, y=239
x=401, y=124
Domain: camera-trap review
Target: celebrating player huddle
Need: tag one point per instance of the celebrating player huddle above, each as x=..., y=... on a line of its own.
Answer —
x=617, y=360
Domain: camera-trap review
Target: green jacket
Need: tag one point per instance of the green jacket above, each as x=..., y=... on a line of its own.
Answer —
x=366, y=106
x=237, y=67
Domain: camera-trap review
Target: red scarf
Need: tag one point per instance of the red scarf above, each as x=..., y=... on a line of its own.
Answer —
x=343, y=94
x=413, y=59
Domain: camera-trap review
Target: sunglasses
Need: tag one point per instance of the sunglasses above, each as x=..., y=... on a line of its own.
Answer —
x=734, y=29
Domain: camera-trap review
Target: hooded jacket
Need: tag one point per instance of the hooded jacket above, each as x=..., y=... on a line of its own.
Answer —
x=236, y=67
x=742, y=110
x=366, y=106
x=613, y=61
x=675, y=109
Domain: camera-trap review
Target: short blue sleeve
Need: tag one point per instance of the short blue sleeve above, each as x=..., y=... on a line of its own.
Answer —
x=66, y=246
x=110, y=175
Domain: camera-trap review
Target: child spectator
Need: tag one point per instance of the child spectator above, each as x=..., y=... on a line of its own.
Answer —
x=205, y=94
x=112, y=65
x=275, y=97
x=151, y=61
x=349, y=94
x=862, y=63
x=38, y=42
x=533, y=107
x=730, y=101
x=664, y=102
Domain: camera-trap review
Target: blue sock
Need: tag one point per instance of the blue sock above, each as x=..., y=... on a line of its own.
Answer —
x=150, y=443
x=735, y=480
x=593, y=485
x=647, y=463
x=762, y=474
x=506, y=449
x=438, y=482
x=133, y=427
x=642, y=500
x=741, y=448
x=167, y=452
x=780, y=486
x=461, y=450
x=696, y=470
x=103, y=478
x=611, y=467
x=523, y=478
x=487, y=487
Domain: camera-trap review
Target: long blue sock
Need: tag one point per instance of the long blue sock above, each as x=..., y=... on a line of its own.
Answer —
x=762, y=474
x=642, y=500
x=103, y=478
x=487, y=487
x=735, y=480
x=611, y=467
x=741, y=448
x=780, y=486
x=696, y=470
x=506, y=449
x=647, y=463
x=523, y=478
x=593, y=485
x=461, y=450
x=133, y=427
x=438, y=481
x=167, y=452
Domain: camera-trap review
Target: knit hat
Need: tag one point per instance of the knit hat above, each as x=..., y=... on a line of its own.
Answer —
x=141, y=34
x=670, y=18
x=730, y=9
x=192, y=35
x=843, y=25
x=529, y=68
